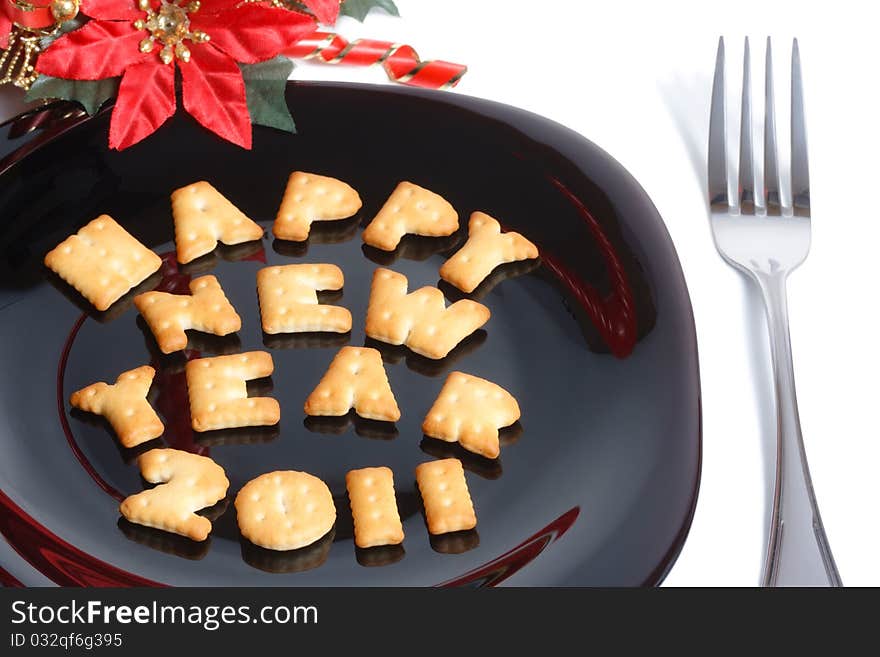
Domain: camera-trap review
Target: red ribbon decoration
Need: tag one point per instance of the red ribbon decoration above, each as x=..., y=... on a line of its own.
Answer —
x=401, y=62
x=35, y=17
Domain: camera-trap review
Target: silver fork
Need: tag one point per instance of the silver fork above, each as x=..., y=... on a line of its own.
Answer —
x=767, y=237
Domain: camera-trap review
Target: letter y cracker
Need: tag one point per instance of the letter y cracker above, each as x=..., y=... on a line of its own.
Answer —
x=310, y=197
x=374, y=507
x=125, y=405
x=486, y=248
x=448, y=506
x=102, y=261
x=189, y=482
x=470, y=411
x=355, y=379
x=202, y=217
x=289, y=299
x=420, y=320
x=218, y=392
x=410, y=209
x=169, y=316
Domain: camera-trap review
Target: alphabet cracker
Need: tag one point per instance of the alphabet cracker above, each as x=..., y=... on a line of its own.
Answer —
x=102, y=261
x=486, y=248
x=470, y=411
x=410, y=209
x=285, y=510
x=355, y=379
x=374, y=507
x=189, y=482
x=310, y=197
x=218, y=392
x=448, y=506
x=289, y=299
x=125, y=405
x=202, y=217
x=420, y=320
x=169, y=316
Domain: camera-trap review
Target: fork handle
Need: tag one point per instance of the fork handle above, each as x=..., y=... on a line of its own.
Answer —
x=798, y=553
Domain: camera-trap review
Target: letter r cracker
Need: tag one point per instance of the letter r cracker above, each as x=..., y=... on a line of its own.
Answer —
x=310, y=197
x=374, y=507
x=448, y=506
x=218, y=392
x=486, y=248
x=470, y=410
x=202, y=217
x=124, y=404
x=102, y=261
x=410, y=209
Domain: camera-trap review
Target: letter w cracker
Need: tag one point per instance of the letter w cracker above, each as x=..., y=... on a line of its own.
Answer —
x=419, y=320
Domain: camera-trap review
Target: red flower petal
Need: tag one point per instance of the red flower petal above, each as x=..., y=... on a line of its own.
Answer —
x=216, y=6
x=112, y=10
x=253, y=33
x=213, y=92
x=326, y=11
x=145, y=101
x=5, y=26
x=99, y=49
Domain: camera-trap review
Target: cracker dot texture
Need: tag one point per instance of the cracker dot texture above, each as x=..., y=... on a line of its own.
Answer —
x=102, y=261
x=420, y=319
x=289, y=299
x=310, y=197
x=486, y=248
x=445, y=495
x=169, y=316
x=470, y=410
x=125, y=405
x=355, y=379
x=218, y=392
x=189, y=482
x=285, y=510
x=203, y=217
x=410, y=210
x=374, y=507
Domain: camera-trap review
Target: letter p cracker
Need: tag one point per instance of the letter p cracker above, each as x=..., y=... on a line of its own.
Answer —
x=310, y=197
x=102, y=261
x=448, y=506
x=374, y=507
x=218, y=392
x=410, y=209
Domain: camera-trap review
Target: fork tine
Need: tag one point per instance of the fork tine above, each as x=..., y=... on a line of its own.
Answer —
x=746, y=175
x=718, y=136
x=800, y=169
x=771, y=169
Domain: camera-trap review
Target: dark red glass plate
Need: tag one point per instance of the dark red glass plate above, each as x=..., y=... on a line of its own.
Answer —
x=595, y=486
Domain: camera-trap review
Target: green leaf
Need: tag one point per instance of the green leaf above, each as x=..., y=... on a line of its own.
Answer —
x=358, y=9
x=91, y=94
x=265, y=84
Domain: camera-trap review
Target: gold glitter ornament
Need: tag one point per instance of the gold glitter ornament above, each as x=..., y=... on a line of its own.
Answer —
x=64, y=10
x=170, y=27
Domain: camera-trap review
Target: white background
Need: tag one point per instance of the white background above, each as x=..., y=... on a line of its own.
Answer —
x=635, y=78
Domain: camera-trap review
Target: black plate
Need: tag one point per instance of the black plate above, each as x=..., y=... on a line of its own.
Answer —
x=595, y=486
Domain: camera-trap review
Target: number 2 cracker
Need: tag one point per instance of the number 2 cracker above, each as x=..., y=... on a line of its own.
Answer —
x=189, y=483
x=470, y=410
x=410, y=209
x=124, y=404
x=102, y=261
x=169, y=316
x=448, y=506
x=202, y=217
x=374, y=507
x=420, y=320
x=486, y=248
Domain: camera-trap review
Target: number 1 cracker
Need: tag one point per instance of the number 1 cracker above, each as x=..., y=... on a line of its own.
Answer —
x=374, y=507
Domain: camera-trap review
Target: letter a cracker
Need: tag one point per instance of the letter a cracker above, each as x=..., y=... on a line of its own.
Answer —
x=124, y=404
x=470, y=410
x=420, y=320
x=202, y=217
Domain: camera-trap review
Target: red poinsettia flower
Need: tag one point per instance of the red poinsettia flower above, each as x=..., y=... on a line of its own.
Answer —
x=144, y=41
x=5, y=24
